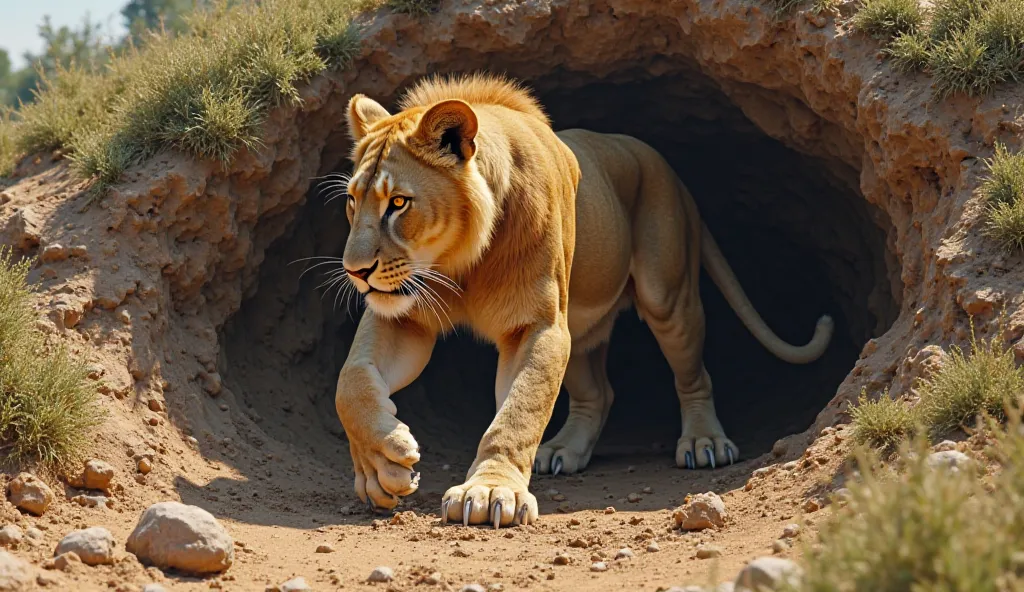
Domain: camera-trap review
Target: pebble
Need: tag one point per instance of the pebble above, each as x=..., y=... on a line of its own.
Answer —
x=762, y=472
x=34, y=535
x=15, y=574
x=153, y=587
x=65, y=561
x=45, y=579
x=144, y=465
x=325, y=549
x=381, y=574
x=183, y=537
x=812, y=505
x=790, y=531
x=155, y=405
x=433, y=579
x=791, y=465
x=28, y=492
x=94, y=546
x=296, y=584
x=768, y=573
x=125, y=316
x=53, y=253
x=708, y=551
x=474, y=587
x=562, y=559
x=780, y=546
x=599, y=566
x=10, y=535
x=93, y=501
x=647, y=490
x=624, y=553
x=653, y=547
x=953, y=460
x=609, y=510
x=944, y=446
x=704, y=510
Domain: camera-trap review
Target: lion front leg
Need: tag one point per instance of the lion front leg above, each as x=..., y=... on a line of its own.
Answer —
x=385, y=356
x=531, y=365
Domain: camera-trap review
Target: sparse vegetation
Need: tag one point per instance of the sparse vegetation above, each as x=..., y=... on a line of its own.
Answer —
x=922, y=528
x=1003, y=190
x=46, y=402
x=413, y=6
x=887, y=19
x=883, y=424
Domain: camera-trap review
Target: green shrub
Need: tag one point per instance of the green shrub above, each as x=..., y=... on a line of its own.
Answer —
x=1003, y=191
x=909, y=51
x=47, y=407
x=887, y=19
x=883, y=424
x=414, y=6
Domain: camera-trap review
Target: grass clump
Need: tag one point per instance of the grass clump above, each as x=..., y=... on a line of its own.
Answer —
x=1003, y=191
x=416, y=7
x=887, y=19
x=925, y=528
x=46, y=403
x=883, y=424
x=984, y=381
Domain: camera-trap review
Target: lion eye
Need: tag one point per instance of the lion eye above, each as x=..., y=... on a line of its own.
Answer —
x=397, y=202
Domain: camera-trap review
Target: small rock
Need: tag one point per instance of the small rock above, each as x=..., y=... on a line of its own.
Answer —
x=768, y=573
x=30, y=493
x=762, y=472
x=211, y=383
x=93, y=501
x=155, y=405
x=10, y=535
x=495, y=587
x=325, y=549
x=45, y=579
x=144, y=465
x=624, y=553
x=578, y=544
x=708, y=551
x=433, y=579
x=599, y=566
x=633, y=498
x=791, y=465
x=704, y=510
x=953, y=460
x=474, y=587
x=34, y=535
x=125, y=316
x=94, y=546
x=153, y=587
x=15, y=574
x=66, y=561
x=842, y=494
x=609, y=510
x=780, y=546
x=779, y=448
x=53, y=253
x=653, y=547
x=188, y=538
x=812, y=505
x=944, y=446
x=96, y=474
x=297, y=584
x=790, y=531
x=381, y=574
x=562, y=559
x=80, y=251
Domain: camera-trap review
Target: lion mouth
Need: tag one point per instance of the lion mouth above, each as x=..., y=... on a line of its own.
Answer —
x=404, y=289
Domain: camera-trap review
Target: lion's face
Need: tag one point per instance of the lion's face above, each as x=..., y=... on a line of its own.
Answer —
x=412, y=202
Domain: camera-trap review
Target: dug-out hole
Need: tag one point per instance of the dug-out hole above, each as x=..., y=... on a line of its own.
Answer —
x=798, y=235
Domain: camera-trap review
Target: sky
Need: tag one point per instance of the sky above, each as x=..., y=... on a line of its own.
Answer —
x=19, y=26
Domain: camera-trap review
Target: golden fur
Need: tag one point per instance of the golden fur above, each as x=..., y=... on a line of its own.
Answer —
x=467, y=209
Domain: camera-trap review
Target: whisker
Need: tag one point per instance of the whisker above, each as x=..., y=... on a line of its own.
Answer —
x=422, y=297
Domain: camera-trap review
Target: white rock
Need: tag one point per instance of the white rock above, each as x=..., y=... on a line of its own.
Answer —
x=15, y=574
x=188, y=538
x=704, y=510
x=34, y=535
x=474, y=587
x=624, y=553
x=768, y=573
x=153, y=587
x=30, y=493
x=297, y=584
x=599, y=566
x=790, y=531
x=381, y=574
x=723, y=587
x=954, y=460
x=10, y=535
x=94, y=546
x=708, y=552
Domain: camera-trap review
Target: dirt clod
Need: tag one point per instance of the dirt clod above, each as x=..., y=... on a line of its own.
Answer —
x=704, y=510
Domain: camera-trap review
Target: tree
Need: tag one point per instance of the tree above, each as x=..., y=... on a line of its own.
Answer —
x=166, y=15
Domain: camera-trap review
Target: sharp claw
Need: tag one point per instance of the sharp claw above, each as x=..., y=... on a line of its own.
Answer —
x=728, y=452
x=465, y=511
x=556, y=467
x=688, y=459
x=710, y=455
x=444, y=511
x=497, y=514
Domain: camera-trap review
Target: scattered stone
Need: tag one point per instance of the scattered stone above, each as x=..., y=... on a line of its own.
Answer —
x=10, y=535
x=647, y=490
x=562, y=559
x=325, y=549
x=708, y=551
x=15, y=574
x=53, y=253
x=65, y=561
x=155, y=405
x=23, y=230
x=188, y=538
x=953, y=460
x=297, y=584
x=144, y=465
x=768, y=573
x=97, y=474
x=578, y=544
x=704, y=510
x=211, y=383
x=34, y=535
x=779, y=448
x=599, y=566
x=93, y=501
x=79, y=251
x=633, y=498
x=624, y=553
x=474, y=587
x=790, y=531
x=944, y=446
x=28, y=492
x=381, y=574
x=609, y=510
x=812, y=505
x=762, y=472
x=94, y=546
x=46, y=579
x=780, y=546
x=153, y=587
x=433, y=579
x=653, y=547
x=791, y=465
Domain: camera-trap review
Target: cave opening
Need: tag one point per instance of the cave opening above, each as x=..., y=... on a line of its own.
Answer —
x=799, y=236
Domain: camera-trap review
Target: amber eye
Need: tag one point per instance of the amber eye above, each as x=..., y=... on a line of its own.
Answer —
x=397, y=202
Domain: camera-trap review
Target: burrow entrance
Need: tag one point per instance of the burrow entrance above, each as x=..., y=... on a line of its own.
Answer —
x=794, y=227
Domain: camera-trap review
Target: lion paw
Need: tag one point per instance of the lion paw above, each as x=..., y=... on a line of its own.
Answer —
x=696, y=452
x=383, y=468
x=489, y=500
x=556, y=459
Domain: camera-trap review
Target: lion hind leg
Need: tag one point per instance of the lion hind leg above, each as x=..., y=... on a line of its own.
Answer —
x=590, y=399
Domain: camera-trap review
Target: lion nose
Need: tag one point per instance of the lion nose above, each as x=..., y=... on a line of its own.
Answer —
x=362, y=273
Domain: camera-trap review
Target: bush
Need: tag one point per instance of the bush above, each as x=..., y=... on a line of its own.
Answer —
x=888, y=18
x=1003, y=191
x=47, y=405
x=883, y=424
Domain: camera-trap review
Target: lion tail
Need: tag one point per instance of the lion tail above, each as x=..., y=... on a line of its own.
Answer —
x=723, y=276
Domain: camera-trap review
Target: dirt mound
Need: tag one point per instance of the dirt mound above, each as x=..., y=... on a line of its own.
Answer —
x=833, y=185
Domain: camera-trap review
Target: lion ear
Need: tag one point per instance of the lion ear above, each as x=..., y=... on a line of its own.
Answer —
x=363, y=112
x=450, y=126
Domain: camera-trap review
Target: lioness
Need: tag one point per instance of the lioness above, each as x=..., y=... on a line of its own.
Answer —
x=466, y=208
